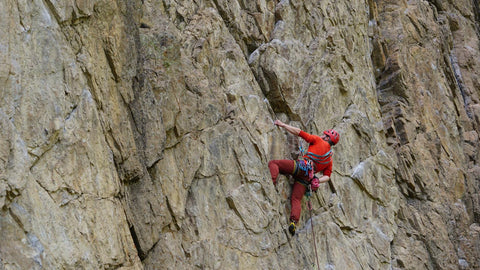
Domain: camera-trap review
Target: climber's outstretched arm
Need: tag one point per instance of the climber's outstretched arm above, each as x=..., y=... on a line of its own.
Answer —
x=324, y=179
x=293, y=130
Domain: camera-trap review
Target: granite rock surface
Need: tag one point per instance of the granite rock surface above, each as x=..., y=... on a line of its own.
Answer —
x=136, y=134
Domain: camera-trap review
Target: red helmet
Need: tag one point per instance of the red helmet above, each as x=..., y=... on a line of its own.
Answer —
x=334, y=136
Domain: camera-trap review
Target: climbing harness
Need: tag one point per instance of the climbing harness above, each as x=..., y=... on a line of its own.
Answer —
x=309, y=206
x=303, y=168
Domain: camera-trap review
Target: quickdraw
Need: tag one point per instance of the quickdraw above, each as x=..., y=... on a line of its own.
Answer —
x=304, y=168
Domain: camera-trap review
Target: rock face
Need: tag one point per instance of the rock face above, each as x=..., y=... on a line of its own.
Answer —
x=136, y=134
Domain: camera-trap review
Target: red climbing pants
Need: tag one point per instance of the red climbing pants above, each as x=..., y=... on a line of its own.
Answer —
x=283, y=166
x=296, y=201
x=286, y=167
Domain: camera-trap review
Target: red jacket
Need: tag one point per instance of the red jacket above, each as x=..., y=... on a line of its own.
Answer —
x=319, y=152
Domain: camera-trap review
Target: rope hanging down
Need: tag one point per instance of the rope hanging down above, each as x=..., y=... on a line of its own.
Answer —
x=309, y=205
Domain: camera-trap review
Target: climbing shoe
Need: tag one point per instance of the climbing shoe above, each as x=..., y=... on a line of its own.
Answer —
x=291, y=228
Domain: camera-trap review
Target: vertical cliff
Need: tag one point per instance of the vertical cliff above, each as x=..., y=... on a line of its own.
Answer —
x=136, y=134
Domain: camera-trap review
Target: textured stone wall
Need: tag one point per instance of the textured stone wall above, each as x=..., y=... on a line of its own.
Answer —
x=136, y=134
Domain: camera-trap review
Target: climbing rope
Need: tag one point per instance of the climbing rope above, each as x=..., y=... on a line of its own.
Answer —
x=310, y=208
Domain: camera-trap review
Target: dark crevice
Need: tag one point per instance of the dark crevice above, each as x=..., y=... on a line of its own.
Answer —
x=461, y=86
x=91, y=86
x=274, y=94
x=172, y=213
x=108, y=55
x=250, y=49
x=53, y=10
x=141, y=254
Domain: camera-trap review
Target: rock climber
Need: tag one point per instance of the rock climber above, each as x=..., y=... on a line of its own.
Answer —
x=317, y=159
